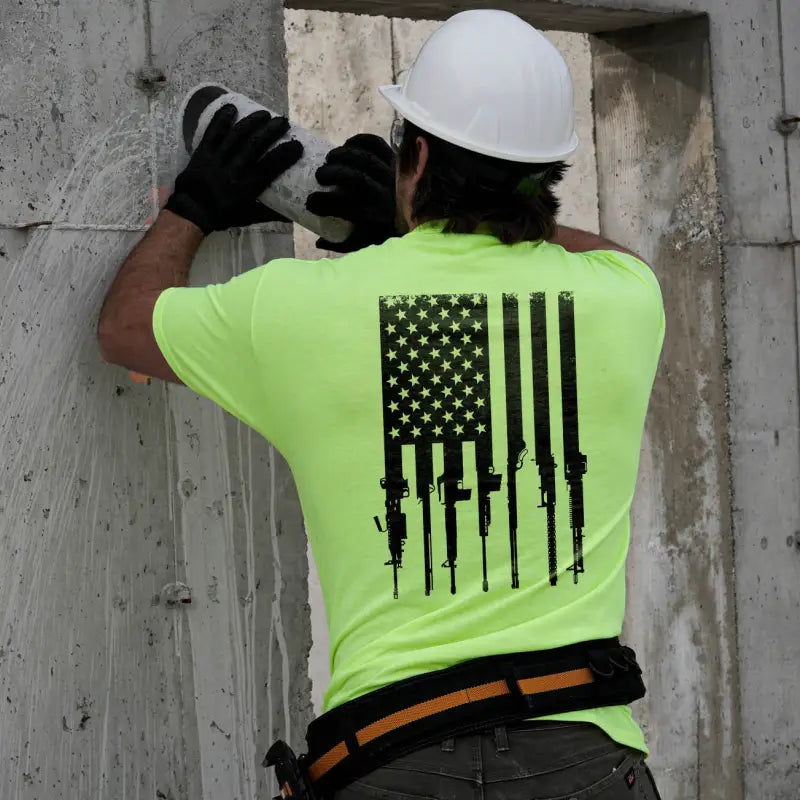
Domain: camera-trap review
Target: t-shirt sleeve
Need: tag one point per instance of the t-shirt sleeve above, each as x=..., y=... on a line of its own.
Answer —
x=206, y=336
x=644, y=273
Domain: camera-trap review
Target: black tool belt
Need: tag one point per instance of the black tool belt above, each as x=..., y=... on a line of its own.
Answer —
x=353, y=739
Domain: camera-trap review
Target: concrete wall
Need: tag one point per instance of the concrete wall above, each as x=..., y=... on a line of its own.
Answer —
x=112, y=490
x=655, y=148
x=350, y=55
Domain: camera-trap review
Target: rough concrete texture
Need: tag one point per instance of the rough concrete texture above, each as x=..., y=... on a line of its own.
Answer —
x=656, y=162
x=113, y=490
x=349, y=56
x=761, y=285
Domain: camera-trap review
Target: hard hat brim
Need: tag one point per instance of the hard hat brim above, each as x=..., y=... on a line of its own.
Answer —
x=414, y=113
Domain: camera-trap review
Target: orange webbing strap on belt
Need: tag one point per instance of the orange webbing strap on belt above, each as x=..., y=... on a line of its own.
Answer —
x=446, y=702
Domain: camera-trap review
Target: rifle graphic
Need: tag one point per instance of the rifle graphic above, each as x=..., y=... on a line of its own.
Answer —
x=543, y=449
x=575, y=465
x=515, y=443
x=488, y=481
x=454, y=492
x=424, y=472
x=396, y=487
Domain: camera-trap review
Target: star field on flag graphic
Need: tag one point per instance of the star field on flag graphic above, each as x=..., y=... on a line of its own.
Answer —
x=435, y=368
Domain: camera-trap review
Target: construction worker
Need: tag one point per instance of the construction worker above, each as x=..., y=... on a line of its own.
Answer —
x=461, y=399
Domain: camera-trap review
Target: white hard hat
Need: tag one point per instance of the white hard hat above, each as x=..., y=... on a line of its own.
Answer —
x=491, y=83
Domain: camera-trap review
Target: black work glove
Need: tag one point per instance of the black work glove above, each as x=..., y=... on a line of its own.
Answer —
x=362, y=172
x=230, y=168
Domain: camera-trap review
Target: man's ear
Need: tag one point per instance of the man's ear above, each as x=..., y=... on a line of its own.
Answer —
x=422, y=157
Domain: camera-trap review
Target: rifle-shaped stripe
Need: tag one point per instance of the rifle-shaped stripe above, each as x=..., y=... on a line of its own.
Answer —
x=396, y=488
x=574, y=461
x=488, y=481
x=543, y=449
x=454, y=492
x=515, y=442
x=424, y=474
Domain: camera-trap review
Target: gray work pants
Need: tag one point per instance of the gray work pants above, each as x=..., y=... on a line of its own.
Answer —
x=531, y=761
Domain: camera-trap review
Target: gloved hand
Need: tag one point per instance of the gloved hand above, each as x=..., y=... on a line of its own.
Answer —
x=362, y=172
x=230, y=168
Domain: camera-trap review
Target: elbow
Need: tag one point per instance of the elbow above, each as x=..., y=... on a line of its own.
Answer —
x=108, y=337
x=104, y=342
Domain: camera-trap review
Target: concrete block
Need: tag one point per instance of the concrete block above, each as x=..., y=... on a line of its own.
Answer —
x=86, y=543
x=348, y=57
x=69, y=75
x=251, y=557
x=241, y=546
x=111, y=490
x=761, y=310
x=746, y=46
x=656, y=171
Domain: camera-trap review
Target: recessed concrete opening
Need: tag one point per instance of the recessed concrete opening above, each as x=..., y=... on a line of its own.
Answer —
x=645, y=176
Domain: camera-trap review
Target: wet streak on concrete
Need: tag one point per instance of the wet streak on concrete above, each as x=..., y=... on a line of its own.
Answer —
x=110, y=490
x=657, y=179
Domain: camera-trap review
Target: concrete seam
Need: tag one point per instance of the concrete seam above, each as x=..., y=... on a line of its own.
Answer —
x=795, y=266
x=744, y=243
x=269, y=227
x=593, y=111
x=148, y=33
x=737, y=726
x=737, y=722
x=70, y=226
x=779, y=4
x=154, y=193
x=147, y=21
x=393, y=45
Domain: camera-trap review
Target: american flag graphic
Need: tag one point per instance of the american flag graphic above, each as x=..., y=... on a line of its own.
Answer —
x=435, y=359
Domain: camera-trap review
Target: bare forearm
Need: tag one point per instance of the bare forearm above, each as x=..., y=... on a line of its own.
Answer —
x=159, y=261
x=575, y=240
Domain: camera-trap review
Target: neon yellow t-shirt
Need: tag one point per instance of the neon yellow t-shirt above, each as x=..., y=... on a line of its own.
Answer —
x=485, y=402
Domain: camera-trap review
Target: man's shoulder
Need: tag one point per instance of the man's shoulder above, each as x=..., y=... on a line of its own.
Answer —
x=346, y=264
x=623, y=262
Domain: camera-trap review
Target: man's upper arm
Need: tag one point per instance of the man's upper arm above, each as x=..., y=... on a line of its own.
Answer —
x=206, y=336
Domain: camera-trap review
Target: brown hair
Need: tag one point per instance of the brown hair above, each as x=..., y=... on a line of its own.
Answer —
x=468, y=189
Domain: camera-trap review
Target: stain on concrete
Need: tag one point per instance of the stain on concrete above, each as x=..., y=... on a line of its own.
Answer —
x=657, y=187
